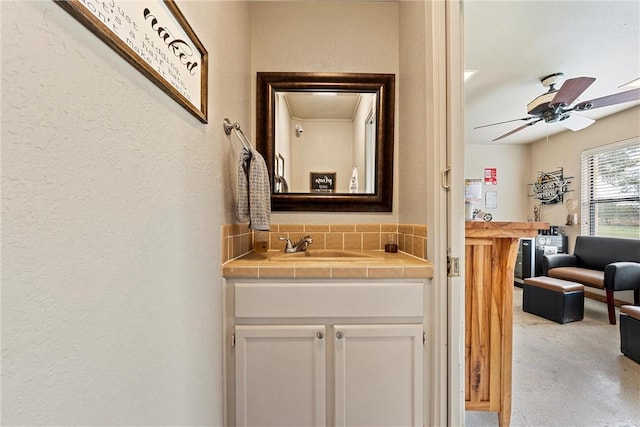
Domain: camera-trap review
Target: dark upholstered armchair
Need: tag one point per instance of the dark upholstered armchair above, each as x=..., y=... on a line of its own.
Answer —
x=608, y=263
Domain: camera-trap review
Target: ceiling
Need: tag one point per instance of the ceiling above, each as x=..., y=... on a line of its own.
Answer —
x=513, y=44
x=320, y=105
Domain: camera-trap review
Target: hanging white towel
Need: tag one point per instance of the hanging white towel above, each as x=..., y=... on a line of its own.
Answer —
x=254, y=191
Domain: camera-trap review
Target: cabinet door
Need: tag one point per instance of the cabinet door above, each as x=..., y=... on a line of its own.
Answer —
x=280, y=375
x=378, y=375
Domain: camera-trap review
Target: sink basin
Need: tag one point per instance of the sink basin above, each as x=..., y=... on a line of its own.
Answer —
x=326, y=255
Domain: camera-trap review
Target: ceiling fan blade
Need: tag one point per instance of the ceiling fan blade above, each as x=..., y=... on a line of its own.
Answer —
x=576, y=122
x=516, y=130
x=616, y=98
x=570, y=90
x=508, y=121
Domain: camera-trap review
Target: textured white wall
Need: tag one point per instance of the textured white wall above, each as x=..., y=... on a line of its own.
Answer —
x=112, y=201
x=512, y=166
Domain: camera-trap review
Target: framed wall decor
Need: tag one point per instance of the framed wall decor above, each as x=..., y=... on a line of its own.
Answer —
x=322, y=182
x=491, y=200
x=154, y=37
x=550, y=187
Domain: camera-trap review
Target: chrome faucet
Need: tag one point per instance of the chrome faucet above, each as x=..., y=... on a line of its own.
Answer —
x=299, y=246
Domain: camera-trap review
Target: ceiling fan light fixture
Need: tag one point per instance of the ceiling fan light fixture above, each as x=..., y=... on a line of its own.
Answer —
x=553, y=106
x=576, y=122
x=468, y=74
x=540, y=104
x=584, y=107
x=632, y=83
x=551, y=80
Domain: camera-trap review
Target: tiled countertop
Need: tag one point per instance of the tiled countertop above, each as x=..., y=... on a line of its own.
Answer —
x=382, y=265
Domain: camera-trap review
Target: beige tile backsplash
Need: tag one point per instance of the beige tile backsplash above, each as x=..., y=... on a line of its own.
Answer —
x=238, y=239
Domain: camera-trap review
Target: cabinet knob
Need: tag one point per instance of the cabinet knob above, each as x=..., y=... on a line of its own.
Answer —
x=339, y=335
x=320, y=335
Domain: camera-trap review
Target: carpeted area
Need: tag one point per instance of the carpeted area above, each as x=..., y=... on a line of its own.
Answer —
x=569, y=375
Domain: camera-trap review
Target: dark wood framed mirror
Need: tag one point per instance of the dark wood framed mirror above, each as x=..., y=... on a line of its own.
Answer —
x=292, y=112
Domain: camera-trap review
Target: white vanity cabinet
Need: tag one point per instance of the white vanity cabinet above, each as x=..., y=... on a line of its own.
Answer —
x=280, y=375
x=378, y=375
x=314, y=353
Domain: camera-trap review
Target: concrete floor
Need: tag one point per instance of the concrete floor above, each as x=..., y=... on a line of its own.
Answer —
x=569, y=375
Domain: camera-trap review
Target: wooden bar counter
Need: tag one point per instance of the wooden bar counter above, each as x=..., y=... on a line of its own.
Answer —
x=491, y=249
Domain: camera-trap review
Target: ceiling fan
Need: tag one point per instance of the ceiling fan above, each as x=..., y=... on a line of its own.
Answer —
x=554, y=105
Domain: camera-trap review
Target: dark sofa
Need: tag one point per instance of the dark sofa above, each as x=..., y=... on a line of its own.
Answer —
x=608, y=263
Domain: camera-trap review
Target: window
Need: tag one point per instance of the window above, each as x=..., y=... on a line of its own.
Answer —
x=611, y=190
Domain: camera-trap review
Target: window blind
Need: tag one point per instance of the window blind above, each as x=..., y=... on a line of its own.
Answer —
x=611, y=190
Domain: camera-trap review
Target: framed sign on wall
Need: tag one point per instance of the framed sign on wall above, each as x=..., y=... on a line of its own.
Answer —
x=550, y=187
x=154, y=37
x=322, y=182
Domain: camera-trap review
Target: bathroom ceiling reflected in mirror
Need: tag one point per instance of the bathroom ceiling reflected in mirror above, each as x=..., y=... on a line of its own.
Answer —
x=327, y=140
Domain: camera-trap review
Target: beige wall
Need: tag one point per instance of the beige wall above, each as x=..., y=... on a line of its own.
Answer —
x=113, y=198
x=564, y=150
x=413, y=122
x=326, y=37
x=112, y=201
x=512, y=165
x=384, y=37
x=321, y=148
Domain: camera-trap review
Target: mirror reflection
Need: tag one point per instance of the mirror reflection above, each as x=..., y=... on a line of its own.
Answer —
x=325, y=142
x=327, y=139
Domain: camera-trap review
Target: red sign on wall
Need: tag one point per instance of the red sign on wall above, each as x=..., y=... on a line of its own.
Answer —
x=490, y=176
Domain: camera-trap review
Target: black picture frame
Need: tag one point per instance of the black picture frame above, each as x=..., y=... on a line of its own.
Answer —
x=322, y=182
